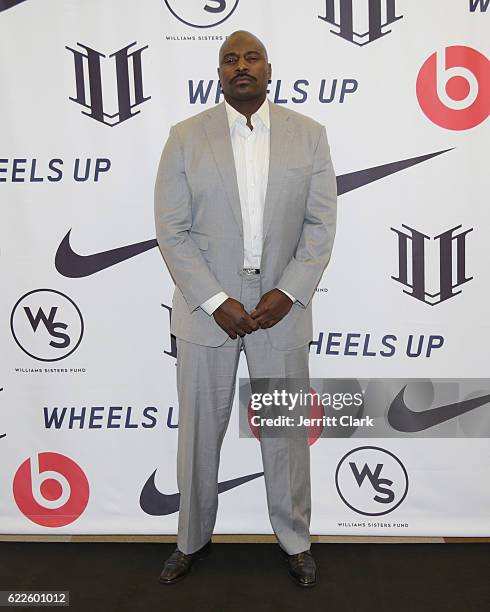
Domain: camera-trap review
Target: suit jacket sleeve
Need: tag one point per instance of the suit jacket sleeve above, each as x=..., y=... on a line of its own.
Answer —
x=173, y=220
x=303, y=273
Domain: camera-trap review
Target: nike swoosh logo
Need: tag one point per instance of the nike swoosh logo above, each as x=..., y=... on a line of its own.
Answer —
x=360, y=178
x=401, y=418
x=6, y=4
x=70, y=264
x=155, y=503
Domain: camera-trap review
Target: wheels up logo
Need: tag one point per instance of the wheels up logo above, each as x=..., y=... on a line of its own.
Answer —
x=129, y=83
x=202, y=13
x=453, y=88
x=371, y=480
x=479, y=5
x=451, y=265
x=362, y=25
x=47, y=325
x=51, y=489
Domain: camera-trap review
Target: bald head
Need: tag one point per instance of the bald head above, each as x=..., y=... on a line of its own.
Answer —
x=242, y=35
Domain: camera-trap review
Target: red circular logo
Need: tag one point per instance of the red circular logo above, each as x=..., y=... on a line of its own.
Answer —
x=51, y=489
x=453, y=88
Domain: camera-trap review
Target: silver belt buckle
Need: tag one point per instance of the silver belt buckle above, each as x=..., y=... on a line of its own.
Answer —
x=251, y=270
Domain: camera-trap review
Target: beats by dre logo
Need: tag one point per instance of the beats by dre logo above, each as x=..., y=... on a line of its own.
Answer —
x=453, y=88
x=51, y=489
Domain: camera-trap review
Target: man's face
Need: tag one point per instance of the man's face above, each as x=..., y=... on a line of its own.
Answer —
x=243, y=70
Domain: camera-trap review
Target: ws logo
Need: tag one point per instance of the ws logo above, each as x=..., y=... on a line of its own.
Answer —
x=371, y=480
x=47, y=325
x=202, y=13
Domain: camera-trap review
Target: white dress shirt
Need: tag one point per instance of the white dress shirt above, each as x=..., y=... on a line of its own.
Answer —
x=251, y=153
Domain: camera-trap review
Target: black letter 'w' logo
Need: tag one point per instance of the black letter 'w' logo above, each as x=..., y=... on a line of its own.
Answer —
x=50, y=324
x=375, y=481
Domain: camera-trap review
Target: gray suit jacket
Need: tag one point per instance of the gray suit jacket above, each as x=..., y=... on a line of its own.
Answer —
x=199, y=224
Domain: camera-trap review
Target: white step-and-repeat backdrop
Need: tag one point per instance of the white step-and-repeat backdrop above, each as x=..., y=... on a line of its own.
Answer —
x=88, y=407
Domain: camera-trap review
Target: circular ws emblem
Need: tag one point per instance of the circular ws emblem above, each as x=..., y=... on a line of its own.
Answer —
x=371, y=480
x=47, y=324
x=202, y=13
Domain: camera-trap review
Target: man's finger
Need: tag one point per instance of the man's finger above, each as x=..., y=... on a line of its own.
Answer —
x=262, y=320
x=255, y=326
x=247, y=324
x=242, y=328
x=257, y=312
x=251, y=325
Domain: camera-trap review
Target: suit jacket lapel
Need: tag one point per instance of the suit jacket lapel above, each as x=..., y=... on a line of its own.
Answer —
x=218, y=132
x=281, y=132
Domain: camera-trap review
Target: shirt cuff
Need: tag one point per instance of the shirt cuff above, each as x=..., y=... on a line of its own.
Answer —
x=209, y=306
x=288, y=294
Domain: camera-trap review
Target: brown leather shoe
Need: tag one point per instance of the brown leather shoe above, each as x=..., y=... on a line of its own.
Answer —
x=302, y=569
x=178, y=565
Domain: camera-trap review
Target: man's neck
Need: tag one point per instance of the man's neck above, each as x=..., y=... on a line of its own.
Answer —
x=247, y=107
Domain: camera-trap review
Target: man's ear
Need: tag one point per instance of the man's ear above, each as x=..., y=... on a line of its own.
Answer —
x=270, y=71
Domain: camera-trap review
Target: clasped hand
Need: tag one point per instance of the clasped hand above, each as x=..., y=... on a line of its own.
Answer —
x=235, y=320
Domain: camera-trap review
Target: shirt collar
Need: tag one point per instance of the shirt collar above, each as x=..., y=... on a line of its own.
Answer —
x=262, y=113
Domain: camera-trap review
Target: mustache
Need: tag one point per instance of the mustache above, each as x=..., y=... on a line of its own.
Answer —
x=242, y=76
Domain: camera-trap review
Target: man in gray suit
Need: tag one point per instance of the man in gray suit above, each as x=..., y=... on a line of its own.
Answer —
x=245, y=212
